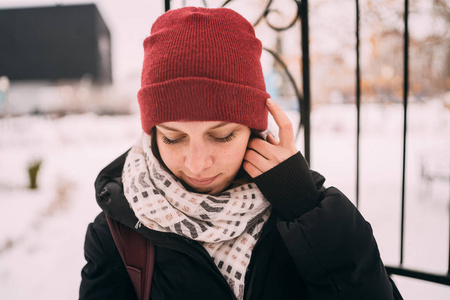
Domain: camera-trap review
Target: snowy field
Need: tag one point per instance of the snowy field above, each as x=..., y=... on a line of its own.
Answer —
x=41, y=241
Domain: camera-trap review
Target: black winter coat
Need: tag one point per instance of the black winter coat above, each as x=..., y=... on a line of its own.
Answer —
x=316, y=245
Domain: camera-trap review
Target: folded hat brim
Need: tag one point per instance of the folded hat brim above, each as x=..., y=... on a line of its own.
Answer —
x=189, y=99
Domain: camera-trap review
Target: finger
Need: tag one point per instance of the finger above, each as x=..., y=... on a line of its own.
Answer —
x=258, y=160
x=271, y=139
x=251, y=169
x=260, y=146
x=285, y=131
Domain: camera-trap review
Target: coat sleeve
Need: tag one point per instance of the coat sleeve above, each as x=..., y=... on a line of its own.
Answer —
x=331, y=244
x=104, y=276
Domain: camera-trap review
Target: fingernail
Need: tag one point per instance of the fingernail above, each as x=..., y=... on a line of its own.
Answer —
x=269, y=101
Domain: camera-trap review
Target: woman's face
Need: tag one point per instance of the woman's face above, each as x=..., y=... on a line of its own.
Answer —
x=204, y=155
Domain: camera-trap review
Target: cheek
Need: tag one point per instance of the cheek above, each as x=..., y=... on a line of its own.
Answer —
x=234, y=156
x=169, y=156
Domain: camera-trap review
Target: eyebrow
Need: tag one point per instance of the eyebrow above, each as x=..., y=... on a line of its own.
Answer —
x=174, y=129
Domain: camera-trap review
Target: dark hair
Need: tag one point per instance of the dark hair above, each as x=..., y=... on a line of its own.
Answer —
x=241, y=176
x=155, y=150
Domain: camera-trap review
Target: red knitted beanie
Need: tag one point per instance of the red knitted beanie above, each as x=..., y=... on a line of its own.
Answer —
x=202, y=65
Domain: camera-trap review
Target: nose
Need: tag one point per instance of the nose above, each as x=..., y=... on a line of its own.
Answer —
x=199, y=158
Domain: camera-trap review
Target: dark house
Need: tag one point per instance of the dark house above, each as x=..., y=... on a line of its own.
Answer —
x=52, y=43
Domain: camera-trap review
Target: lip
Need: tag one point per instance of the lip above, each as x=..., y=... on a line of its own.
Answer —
x=202, y=181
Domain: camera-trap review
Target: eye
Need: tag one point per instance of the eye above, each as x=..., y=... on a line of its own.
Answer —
x=168, y=141
x=225, y=139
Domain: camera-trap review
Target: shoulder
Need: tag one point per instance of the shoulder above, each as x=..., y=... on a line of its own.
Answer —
x=104, y=276
x=99, y=243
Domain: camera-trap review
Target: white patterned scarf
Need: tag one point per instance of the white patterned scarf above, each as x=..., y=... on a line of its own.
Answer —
x=227, y=225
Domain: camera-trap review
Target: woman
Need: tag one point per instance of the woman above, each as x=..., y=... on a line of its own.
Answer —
x=231, y=215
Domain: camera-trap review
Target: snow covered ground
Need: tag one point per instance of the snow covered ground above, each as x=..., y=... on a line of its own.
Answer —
x=41, y=241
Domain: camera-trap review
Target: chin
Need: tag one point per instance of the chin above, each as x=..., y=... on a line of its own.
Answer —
x=210, y=191
x=203, y=190
x=218, y=188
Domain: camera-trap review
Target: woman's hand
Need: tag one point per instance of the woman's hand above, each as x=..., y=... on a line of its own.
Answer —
x=261, y=155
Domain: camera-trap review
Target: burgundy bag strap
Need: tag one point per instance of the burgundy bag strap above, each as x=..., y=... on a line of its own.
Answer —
x=138, y=255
